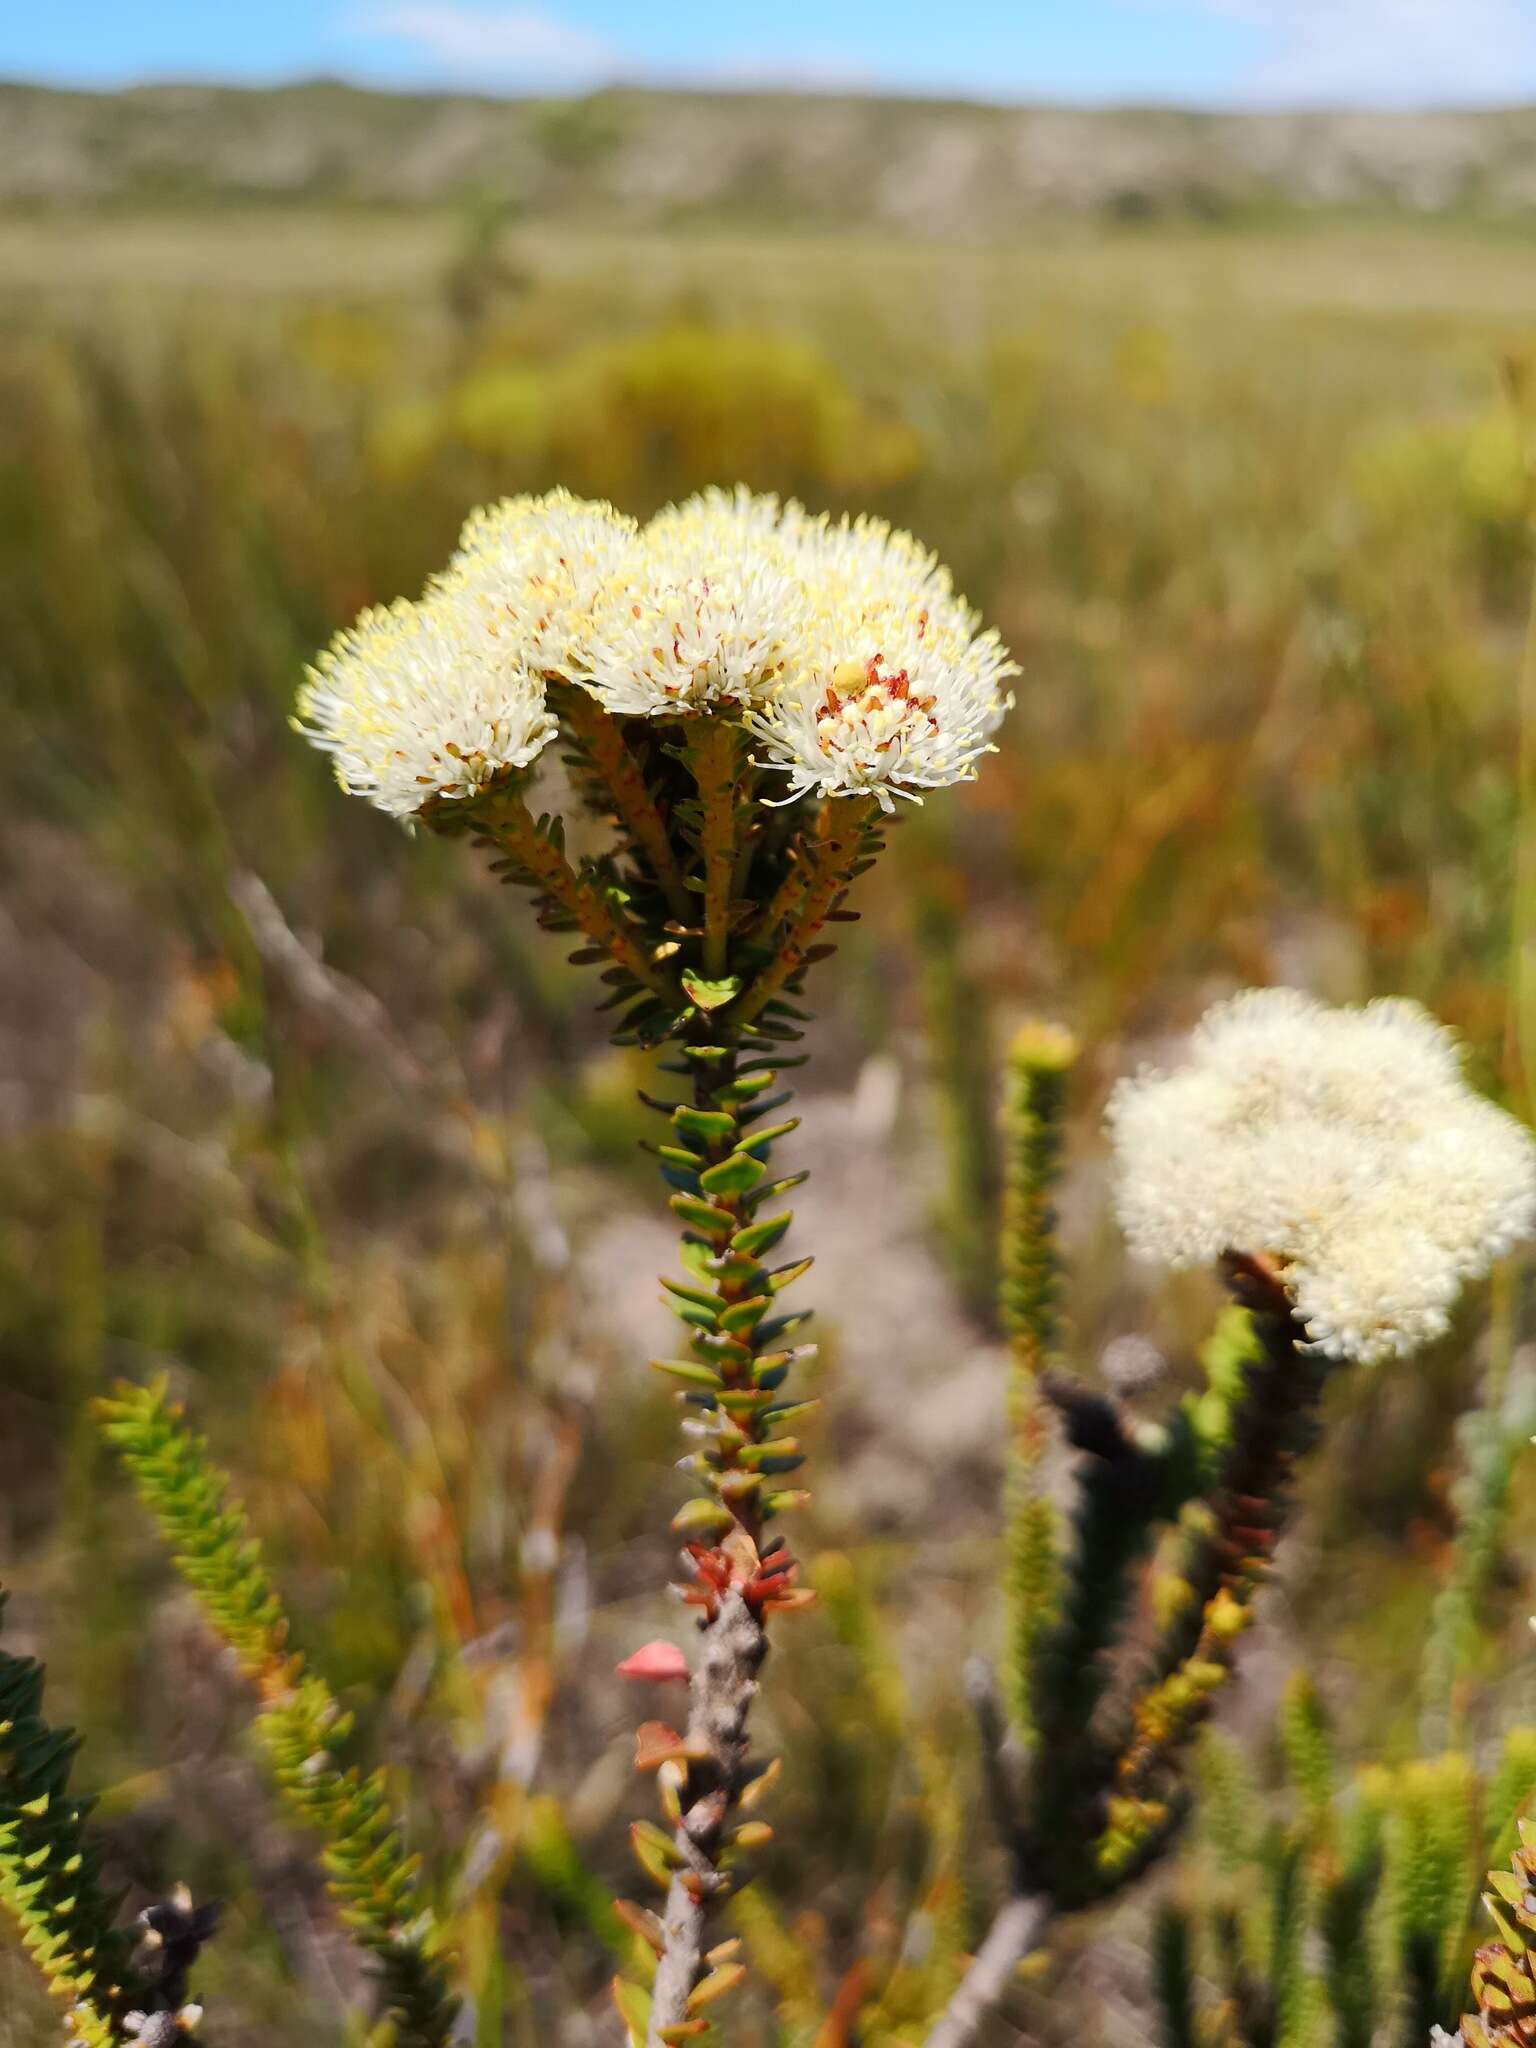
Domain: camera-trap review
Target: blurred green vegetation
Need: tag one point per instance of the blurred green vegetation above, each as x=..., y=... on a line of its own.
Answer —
x=308, y=1116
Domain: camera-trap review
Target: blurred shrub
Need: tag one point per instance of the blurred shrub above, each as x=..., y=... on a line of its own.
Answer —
x=654, y=416
x=1471, y=477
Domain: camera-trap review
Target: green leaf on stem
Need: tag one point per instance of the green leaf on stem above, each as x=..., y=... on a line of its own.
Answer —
x=711, y=993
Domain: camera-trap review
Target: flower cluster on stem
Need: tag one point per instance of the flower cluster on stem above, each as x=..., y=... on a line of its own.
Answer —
x=742, y=692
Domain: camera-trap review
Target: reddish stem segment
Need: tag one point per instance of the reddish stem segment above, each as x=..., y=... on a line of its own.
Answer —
x=602, y=739
x=509, y=828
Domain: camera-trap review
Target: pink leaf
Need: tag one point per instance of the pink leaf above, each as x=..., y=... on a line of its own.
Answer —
x=656, y=1661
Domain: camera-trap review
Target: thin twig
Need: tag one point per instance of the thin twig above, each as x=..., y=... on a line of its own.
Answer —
x=724, y=1684
x=1013, y=1934
x=354, y=1011
x=998, y=1763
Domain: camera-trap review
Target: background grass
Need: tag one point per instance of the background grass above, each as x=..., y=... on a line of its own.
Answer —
x=308, y=1113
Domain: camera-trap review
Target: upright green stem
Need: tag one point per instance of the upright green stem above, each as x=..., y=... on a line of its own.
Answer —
x=1520, y=1035
x=1039, y=1061
x=732, y=1387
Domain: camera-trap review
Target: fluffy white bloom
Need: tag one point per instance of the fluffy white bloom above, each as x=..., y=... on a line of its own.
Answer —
x=892, y=689
x=417, y=701
x=1344, y=1143
x=529, y=570
x=704, y=613
x=842, y=644
x=841, y=641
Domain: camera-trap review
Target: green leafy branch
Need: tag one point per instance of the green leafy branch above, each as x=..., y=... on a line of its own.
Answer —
x=1039, y=1061
x=50, y=1866
x=300, y=1726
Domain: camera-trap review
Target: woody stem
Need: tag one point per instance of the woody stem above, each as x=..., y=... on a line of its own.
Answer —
x=508, y=827
x=715, y=755
x=602, y=739
x=730, y=1393
x=829, y=861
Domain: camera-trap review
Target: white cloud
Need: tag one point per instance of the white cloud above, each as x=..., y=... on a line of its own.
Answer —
x=525, y=46
x=1387, y=52
x=830, y=71
x=504, y=45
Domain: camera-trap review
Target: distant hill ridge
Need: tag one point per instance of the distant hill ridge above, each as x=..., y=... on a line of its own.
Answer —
x=922, y=167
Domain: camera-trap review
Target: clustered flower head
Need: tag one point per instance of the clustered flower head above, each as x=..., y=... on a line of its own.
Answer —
x=1343, y=1143
x=840, y=645
x=415, y=702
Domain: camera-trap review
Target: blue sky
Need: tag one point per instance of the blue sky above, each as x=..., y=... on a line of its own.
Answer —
x=1202, y=52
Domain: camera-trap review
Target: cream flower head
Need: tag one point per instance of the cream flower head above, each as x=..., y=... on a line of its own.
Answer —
x=529, y=571
x=841, y=645
x=894, y=689
x=702, y=615
x=416, y=701
x=1344, y=1143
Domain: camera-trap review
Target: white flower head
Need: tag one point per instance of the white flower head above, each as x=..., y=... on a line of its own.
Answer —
x=702, y=615
x=893, y=689
x=415, y=701
x=1343, y=1143
x=529, y=571
x=841, y=644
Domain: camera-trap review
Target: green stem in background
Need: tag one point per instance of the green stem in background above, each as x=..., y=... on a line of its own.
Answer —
x=1433, y=1855
x=1492, y=1440
x=1520, y=1030
x=368, y=1872
x=1121, y=1496
x=1039, y=1062
x=1173, y=1976
x=603, y=742
x=961, y=1063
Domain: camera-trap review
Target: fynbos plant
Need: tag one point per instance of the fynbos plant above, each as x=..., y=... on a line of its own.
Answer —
x=743, y=692
x=744, y=696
